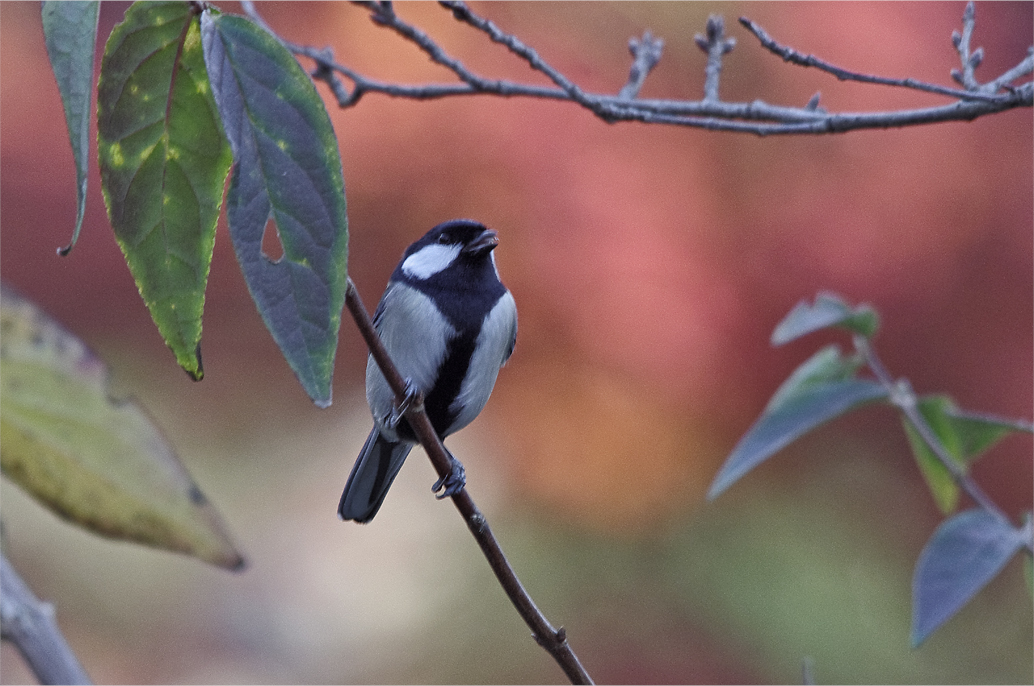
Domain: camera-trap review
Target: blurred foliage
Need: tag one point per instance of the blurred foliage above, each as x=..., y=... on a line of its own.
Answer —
x=99, y=462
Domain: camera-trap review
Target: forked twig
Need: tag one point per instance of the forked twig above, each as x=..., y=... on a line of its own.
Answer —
x=757, y=117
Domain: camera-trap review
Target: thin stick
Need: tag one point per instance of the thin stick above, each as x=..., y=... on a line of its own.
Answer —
x=902, y=397
x=29, y=624
x=553, y=640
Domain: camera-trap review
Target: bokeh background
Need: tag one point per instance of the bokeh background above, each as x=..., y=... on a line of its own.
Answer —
x=649, y=264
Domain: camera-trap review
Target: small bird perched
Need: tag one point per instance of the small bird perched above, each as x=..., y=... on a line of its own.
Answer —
x=449, y=324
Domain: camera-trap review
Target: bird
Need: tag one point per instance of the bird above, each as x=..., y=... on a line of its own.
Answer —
x=449, y=325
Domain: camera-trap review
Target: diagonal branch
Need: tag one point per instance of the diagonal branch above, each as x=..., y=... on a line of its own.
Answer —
x=553, y=640
x=901, y=396
x=29, y=624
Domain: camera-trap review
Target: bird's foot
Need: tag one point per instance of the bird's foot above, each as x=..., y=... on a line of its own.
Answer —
x=452, y=483
x=399, y=409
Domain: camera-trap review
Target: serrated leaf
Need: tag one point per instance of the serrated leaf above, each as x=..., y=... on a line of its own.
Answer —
x=964, y=437
x=829, y=310
x=164, y=161
x=797, y=415
x=962, y=556
x=828, y=364
x=97, y=462
x=287, y=167
x=70, y=32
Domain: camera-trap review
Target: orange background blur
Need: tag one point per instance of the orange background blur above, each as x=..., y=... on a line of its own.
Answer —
x=649, y=264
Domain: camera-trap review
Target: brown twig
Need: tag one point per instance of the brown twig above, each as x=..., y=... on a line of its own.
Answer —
x=553, y=640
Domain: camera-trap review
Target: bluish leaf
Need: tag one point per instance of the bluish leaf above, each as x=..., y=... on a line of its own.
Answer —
x=791, y=419
x=829, y=310
x=828, y=364
x=286, y=167
x=964, y=554
x=70, y=32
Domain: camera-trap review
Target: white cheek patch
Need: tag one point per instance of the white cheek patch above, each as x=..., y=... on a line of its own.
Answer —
x=429, y=260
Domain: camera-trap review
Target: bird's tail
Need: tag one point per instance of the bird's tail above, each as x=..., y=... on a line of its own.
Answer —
x=379, y=462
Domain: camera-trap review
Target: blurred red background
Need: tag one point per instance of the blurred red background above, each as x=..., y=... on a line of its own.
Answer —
x=649, y=264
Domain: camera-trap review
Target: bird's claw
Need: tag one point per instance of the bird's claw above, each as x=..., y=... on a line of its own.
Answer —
x=399, y=409
x=452, y=483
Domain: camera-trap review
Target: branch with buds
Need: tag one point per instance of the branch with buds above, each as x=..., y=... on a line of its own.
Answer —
x=971, y=101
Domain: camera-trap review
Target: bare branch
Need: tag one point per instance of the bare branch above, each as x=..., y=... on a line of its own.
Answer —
x=758, y=118
x=553, y=640
x=29, y=624
x=970, y=62
x=792, y=56
x=714, y=45
x=646, y=53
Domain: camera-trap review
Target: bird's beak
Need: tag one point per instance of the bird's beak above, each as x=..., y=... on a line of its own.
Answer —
x=483, y=243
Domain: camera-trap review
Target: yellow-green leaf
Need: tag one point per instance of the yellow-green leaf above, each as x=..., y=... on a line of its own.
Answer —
x=98, y=462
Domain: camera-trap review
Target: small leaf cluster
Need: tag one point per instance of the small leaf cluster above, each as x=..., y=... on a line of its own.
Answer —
x=969, y=548
x=186, y=94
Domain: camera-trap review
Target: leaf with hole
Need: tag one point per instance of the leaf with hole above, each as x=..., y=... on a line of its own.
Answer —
x=829, y=310
x=798, y=413
x=287, y=168
x=163, y=160
x=962, y=556
x=70, y=32
x=98, y=462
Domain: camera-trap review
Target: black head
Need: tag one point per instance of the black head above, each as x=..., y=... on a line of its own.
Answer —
x=460, y=244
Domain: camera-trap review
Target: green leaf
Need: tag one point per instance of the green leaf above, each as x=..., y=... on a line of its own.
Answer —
x=164, y=161
x=98, y=462
x=939, y=480
x=978, y=432
x=70, y=32
x=964, y=437
x=809, y=407
x=829, y=310
x=964, y=554
x=286, y=166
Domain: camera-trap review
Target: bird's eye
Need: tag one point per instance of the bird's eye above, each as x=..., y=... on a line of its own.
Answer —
x=444, y=238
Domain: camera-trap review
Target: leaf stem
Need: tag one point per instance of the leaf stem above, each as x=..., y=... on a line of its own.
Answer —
x=901, y=395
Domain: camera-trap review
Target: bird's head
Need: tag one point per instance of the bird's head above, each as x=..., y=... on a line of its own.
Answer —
x=441, y=247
